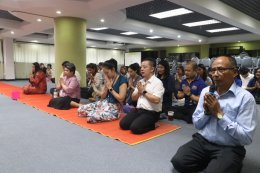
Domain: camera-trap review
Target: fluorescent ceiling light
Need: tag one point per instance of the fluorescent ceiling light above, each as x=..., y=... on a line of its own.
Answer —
x=98, y=29
x=35, y=41
x=12, y=32
x=39, y=20
x=200, y=23
x=171, y=13
x=222, y=29
x=154, y=37
x=58, y=12
x=129, y=33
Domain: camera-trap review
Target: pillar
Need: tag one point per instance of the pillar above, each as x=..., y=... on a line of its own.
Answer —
x=8, y=52
x=204, y=51
x=70, y=45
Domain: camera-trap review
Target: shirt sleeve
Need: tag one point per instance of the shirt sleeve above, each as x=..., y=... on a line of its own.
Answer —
x=199, y=117
x=158, y=89
x=242, y=128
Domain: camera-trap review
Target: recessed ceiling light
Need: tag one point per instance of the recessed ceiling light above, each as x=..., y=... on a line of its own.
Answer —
x=153, y=37
x=129, y=33
x=151, y=30
x=200, y=23
x=58, y=12
x=200, y=40
x=98, y=29
x=171, y=13
x=102, y=20
x=12, y=32
x=222, y=29
x=35, y=41
x=93, y=46
x=179, y=36
x=238, y=41
x=39, y=20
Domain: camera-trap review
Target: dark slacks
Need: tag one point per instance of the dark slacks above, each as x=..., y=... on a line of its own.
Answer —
x=184, y=113
x=140, y=122
x=199, y=154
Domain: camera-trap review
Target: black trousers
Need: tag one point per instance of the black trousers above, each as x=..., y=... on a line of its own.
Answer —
x=184, y=113
x=199, y=154
x=140, y=122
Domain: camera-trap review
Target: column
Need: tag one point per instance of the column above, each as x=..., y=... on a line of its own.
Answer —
x=70, y=45
x=8, y=52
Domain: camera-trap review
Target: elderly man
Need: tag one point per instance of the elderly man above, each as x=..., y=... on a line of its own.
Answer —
x=230, y=124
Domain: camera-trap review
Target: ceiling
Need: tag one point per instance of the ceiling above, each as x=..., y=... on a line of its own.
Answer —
x=20, y=17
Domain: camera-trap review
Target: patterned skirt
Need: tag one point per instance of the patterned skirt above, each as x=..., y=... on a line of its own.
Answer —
x=99, y=111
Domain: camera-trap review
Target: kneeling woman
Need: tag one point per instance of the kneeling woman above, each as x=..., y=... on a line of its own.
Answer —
x=37, y=81
x=112, y=97
x=69, y=89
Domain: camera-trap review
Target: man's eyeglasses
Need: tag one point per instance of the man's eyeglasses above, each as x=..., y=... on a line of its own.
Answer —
x=220, y=70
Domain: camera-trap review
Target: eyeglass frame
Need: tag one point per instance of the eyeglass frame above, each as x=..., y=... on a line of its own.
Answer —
x=220, y=70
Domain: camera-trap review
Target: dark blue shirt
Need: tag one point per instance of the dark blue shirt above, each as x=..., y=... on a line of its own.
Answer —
x=196, y=87
x=121, y=80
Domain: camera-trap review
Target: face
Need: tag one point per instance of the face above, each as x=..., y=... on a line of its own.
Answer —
x=131, y=72
x=190, y=72
x=223, y=73
x=257, y=74
x=179, y=71
x=91, y=71
x=109, y=73
x=200, y=71
x=33, y=68
x=160, y=69
x=67, y=72
x=146, y=69
x=122, y=70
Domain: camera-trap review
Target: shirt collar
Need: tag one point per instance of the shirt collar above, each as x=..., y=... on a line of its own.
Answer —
x=151, y=79
x=232, y=89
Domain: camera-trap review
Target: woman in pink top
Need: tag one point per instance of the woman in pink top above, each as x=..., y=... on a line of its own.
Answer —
x=69, y=89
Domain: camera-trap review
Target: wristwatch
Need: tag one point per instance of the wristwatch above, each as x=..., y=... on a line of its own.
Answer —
x=111, y=89
x=219, y=116
x=144, y=92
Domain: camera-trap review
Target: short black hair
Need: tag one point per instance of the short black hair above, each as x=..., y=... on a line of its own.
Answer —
x=243, y=70
x=93, y=66
x=64, y=62
x=70, y=66
x=193, y=64
x=110, y=64
x=36, y=66
x=151, y=61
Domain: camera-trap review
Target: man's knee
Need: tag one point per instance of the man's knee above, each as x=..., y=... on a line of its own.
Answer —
x=178, y=163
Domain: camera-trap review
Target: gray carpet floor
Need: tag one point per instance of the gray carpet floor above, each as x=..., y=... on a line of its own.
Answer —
x=32, y=141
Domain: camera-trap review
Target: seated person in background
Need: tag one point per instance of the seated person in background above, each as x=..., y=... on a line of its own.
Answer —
x=37, y=81
x=62, y=75
x=230, y=123
x=49, y=72
x=95, y=82
x=123, y=71
x=190, y=89
x=112, y=96
x=149, y=95
x=245, y=76
x=69, y=89
x=134, y=77
x=43, y=68
x=202, y=72
x=179, y=76
x=254, y=85
x=163, y=73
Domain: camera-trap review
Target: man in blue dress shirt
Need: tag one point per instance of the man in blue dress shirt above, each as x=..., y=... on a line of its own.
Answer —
x=218, y=147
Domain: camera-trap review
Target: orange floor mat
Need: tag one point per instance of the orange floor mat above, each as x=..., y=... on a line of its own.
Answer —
x=109, y=129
